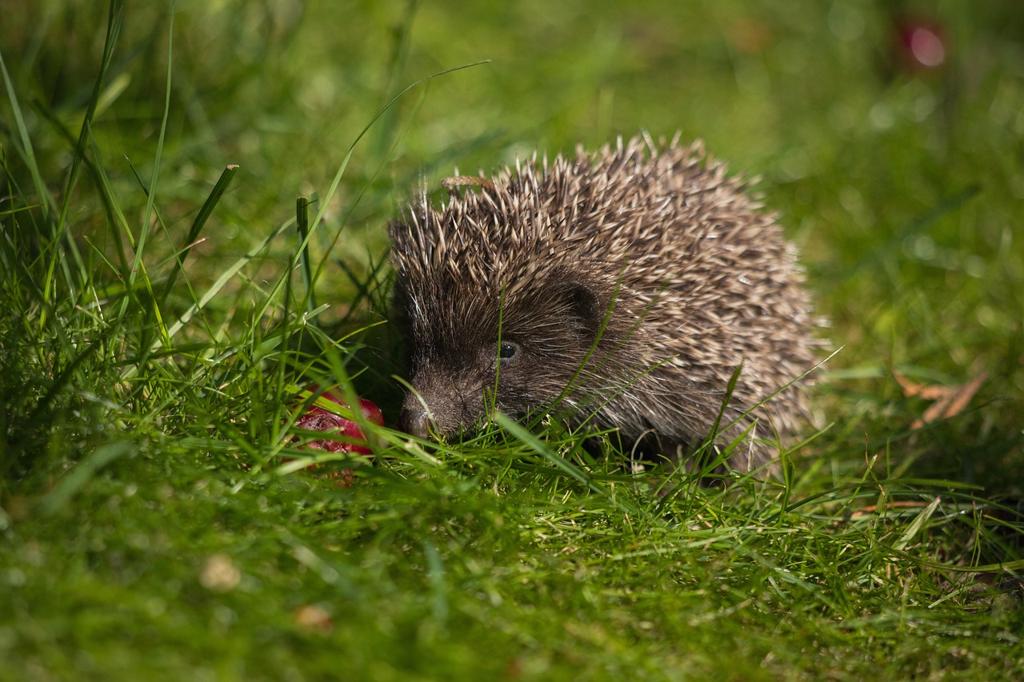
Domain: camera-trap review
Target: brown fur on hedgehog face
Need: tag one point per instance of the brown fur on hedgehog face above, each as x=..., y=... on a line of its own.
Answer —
x=516, y=350
x=642, y=275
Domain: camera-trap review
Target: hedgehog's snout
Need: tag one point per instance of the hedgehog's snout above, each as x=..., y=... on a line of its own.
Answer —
x=415, y=417
x=434, y=405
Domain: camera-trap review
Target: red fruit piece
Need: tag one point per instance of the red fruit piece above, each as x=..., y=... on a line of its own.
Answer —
x=372, y=412
x=317, y=418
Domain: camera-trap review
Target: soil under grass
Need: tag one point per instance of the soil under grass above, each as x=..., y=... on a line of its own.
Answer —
x=158, y=305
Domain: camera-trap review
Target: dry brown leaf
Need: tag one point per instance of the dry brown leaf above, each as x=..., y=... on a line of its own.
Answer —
x=898, y=504
x=912, y=389
x=952, y=401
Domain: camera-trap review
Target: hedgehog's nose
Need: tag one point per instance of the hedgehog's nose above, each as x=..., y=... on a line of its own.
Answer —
x=415, y=419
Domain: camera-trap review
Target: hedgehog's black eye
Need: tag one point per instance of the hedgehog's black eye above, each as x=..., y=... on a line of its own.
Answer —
x=507, y=351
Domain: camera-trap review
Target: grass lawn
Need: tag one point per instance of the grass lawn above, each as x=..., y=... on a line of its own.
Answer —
x=193, y=221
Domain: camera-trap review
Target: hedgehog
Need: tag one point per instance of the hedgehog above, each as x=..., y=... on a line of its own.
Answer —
x=638, y=288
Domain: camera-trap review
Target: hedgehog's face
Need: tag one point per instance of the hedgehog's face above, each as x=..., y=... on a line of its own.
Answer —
x=470, y=355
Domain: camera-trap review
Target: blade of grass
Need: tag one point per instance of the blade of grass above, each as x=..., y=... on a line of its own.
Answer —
x=115, y=18
x=302, y=222
x=212, y=199
x=526, y=438
x=214, y=289
x=147, y=213
x=915, y=527
x=402, y=34
x=336, y=180
x=24, y=148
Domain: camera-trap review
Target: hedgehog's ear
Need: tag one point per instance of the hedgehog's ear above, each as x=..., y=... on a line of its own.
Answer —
x=586, y=306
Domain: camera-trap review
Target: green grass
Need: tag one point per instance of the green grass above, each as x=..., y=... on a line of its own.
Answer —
x=155, y=309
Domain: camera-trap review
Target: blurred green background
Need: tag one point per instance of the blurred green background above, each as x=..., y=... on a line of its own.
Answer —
x=855, y=146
